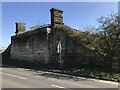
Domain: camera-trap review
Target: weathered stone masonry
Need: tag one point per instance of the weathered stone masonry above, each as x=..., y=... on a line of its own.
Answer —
x=40, y=45
x=31, y=46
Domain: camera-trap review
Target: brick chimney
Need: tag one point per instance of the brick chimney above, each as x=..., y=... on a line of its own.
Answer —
x=20, y=27
x=56, y=16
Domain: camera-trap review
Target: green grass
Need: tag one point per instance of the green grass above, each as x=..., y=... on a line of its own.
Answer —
x=98, y=73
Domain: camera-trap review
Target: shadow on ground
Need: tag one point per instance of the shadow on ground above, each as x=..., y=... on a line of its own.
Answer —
x=49, y=73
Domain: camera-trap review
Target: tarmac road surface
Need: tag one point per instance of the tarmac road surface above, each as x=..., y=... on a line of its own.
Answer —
x=13, y=77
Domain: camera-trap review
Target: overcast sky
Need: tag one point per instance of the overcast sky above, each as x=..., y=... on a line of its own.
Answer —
x=77, y=15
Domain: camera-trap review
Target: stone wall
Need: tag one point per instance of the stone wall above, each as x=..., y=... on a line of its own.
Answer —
x=72, y=53
x=41, y=45
x=31, y=46
x=77, y=54
x=57, y=36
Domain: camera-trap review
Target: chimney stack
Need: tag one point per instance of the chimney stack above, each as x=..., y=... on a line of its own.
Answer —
x=56, y=17
x=20, y=27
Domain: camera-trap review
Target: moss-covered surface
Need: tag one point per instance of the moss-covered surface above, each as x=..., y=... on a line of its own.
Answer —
x=73, y=33
x=76, y=35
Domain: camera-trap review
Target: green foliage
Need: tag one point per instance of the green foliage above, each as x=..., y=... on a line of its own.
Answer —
x=109, y=37
x=105, y=40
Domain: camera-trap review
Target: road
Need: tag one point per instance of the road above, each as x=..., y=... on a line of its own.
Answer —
x=13, y=77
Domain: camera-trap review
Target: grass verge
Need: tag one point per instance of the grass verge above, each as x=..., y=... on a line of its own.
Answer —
x=90, y=72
